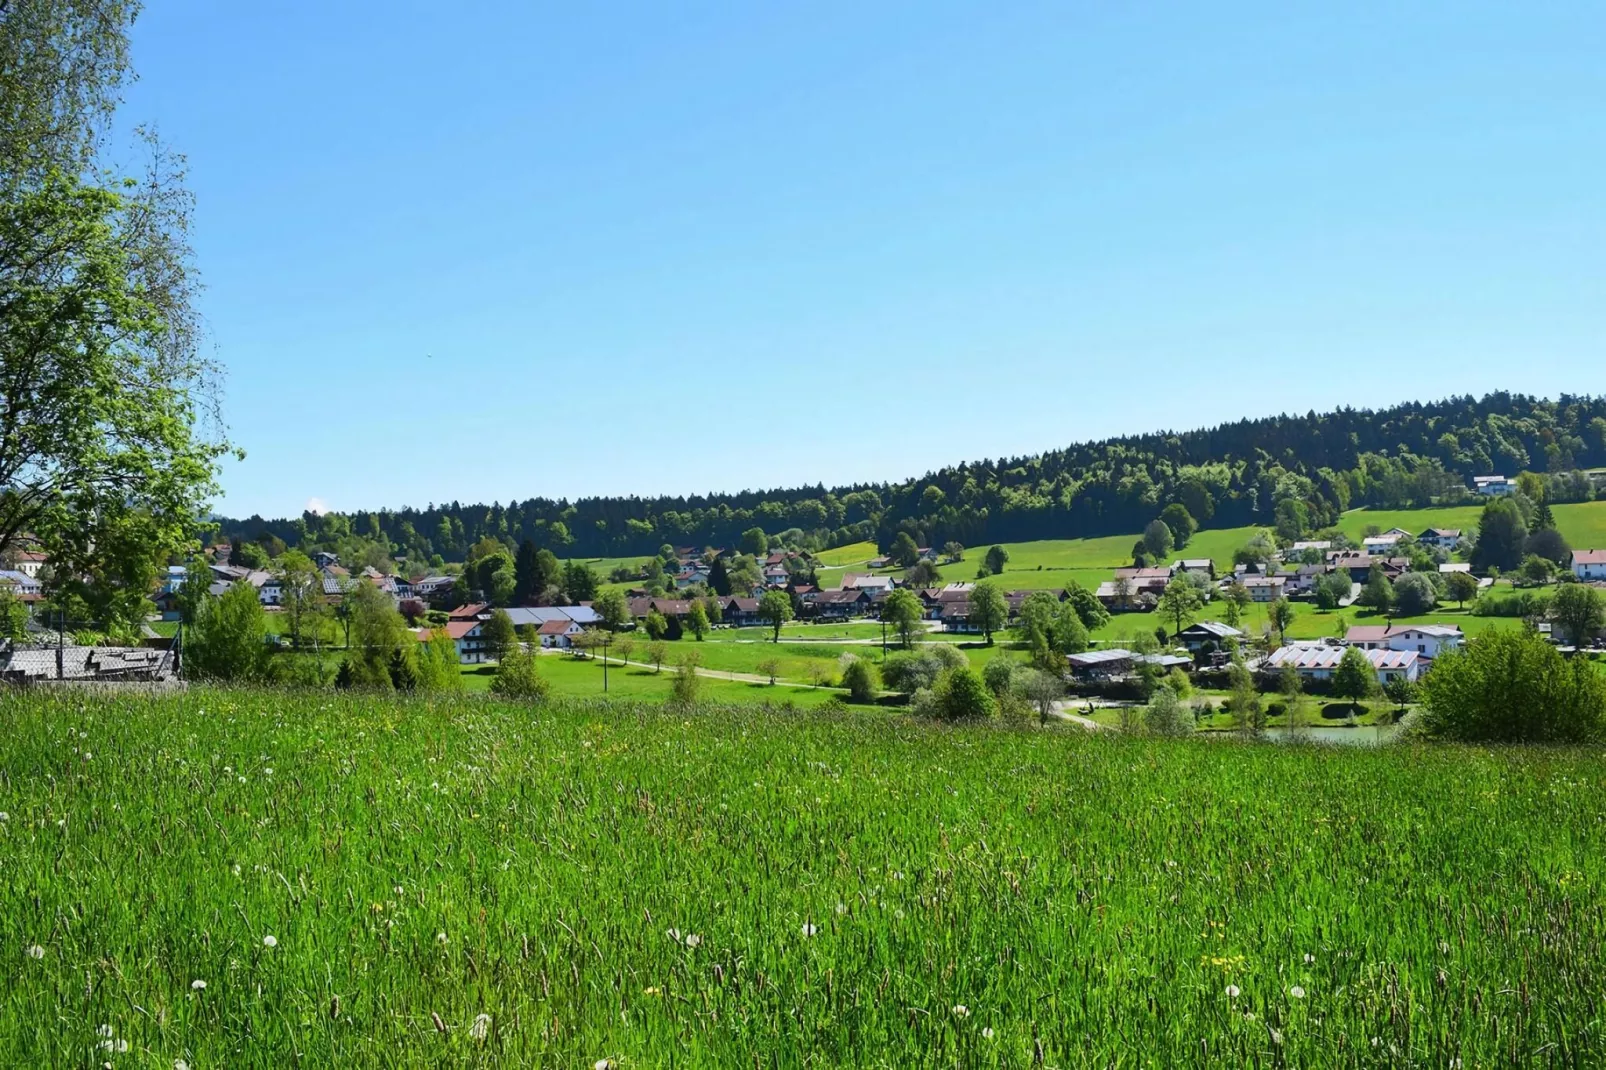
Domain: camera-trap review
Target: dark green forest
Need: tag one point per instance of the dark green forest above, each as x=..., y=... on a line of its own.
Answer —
x=1293, y=472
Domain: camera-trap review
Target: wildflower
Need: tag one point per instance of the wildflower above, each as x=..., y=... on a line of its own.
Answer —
x=4, y=817
x=961, y=1011
x=1276, y=1037
x=652, y=990
x=180, y=1064
x=115, y=1046
x=809, y=928
x=987, y=1033
x=673, y=934
x=1232, y=991
x=602, y=1064
x=841, y=908
x=1309, y=958
x=1297, y=992
x=35, y=951
x=440, y=938
x=693, y=940
x=481, y=1026
x=88, y=757
x=270, y=941
x=236, y=869
x=105, y=1031
x=268, y=771
x=198, y=985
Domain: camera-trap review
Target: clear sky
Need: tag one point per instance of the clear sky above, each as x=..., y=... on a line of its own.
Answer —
x=499, y=250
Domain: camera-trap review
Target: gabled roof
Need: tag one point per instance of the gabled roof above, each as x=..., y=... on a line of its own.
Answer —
x=1215, y=628
x=556, y=627
x=470, y=611
x=1589, y=557
x=1328, y=657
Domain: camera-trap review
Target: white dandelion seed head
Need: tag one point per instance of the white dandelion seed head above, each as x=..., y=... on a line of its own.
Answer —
x=1232, y=991
x=114, y=1047
x=105, y=1031
x=809, y=928
x=440, y=938
x=602, y=1064
x=198, y=985
x=4, y=817
x=236, y=869
x=693, y=940
x=180, y=1064
x=1249, y=1016
x=268, y=771
x=35, y=952
x=673, y=934
x=1276, y=1036
x=1297, y=992
x=961, y=1011
x=397, y=889
x=1309, y=958
x=841, y=908
x=270, y=941
x=987, y=1032
x=481, y=1026
x=88, y=757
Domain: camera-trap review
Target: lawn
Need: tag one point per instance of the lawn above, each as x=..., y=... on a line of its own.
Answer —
x=581, y=679
x=462, y=882
x=1582, y=524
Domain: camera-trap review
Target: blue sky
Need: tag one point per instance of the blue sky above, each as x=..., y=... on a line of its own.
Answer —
x=498, y=251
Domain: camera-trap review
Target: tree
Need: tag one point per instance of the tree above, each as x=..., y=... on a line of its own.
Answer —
x=101, y=458
x=989, y=609
x=528, y=583
x=916, y=670
x=497, y=635
x=859, y=679
x=1536, y=569
x=301, y=596
x=193, y=592
x=1248, y=717
x=1041, y=689
x=579, y=583
x=376, y=632
x=1291, y=687
x=961, y=695
x=657, y=650
x=518, y=677
x=1513, y=687
x=1333, y=588
x=1354, y=678
x=1280, y=614
x=657, y=626
x=719, y=579
x=755, y=542
x=1414, y=594
x=770, y=667
x=1088, y=607
x=1548, y=543
x=13, y=615
x=1157, y=539
x=904, y=552
x=1179, y=602
x=687, y=683
x=1259, y=550
x=1400, y=691
x=1378, y=592
x=999, y=675
x=997, y=557
x=1502, y=536
x=1577, y=608
x=1179, y=522
x=1166, y=715
x=612, y=608
x=1461, y=586
x=922, y=574
x=903, y=612
x=953, y=551
x=775, y=609
x=228, y=640
x=412, y=610
x=437, y=665
x=247, y=555
x=697, y=619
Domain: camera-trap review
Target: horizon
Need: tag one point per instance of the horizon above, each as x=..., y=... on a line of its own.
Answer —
x=638, y=252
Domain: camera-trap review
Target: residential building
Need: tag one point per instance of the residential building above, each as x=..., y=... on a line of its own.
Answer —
x=738, y=612
x=1196, y=636
x=1380, y=544
x=853, y=581
x=29, y=562
x=1429, y=640
x=558, y=634
x=1264, y=588
x=1454, y=566
x=838, y=605
x=1494, y=486
x=1320, y=662
x=1202, y=566
x=1589, y=565
x=1446, y=539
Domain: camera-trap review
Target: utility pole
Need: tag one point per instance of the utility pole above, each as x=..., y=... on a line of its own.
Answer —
x=883, y=640
x=607, y=644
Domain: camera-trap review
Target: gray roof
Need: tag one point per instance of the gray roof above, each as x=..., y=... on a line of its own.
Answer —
x=539, y=615
x=1215, y=628
x=1100, y=657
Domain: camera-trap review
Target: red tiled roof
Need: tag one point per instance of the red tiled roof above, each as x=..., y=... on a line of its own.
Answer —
x=1589, y=557
x=555, y=627
x=470, y=611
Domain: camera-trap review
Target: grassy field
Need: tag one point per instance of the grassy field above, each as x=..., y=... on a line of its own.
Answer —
x=635, y=887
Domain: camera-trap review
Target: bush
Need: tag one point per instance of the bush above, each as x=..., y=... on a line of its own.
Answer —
x=998, y=675
x=1528, y=604
x=517, y=677
x=1166, y=715
x=684, y=688
x=1414, y=594
x=1513, y=687
x=910, y=670
x=859, y=678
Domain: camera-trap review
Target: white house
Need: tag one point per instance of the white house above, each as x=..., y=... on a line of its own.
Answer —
x=1494, y=486
x=1589, y=564
x=1440, y=538
x=1428, y=640
x=558, y=634
x=1381, y=545
x=1264, y=588
x=1320, y=662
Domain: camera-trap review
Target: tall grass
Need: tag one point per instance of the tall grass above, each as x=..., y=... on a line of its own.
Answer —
x=726, y=886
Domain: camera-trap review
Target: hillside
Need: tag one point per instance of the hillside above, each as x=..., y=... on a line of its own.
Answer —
x=1306, y=469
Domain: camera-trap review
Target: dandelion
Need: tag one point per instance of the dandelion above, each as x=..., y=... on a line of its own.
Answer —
x=1309, y=958
x=481, y=1026
x=1297, y=992
x=236, y=869
x=673, y=934
x=809, y=928
x=197, y=985
x=268, y=771
x=652, y=990
x=693, y=940
x=105, y=1031
x=114, y=1046
x=180, y=1064
x=987, y=1033
x=270, y=941
x=841, y=909
x=4, y=817
x=961, y=1011
x=602, y=1064
x=440, y=938
x=1232, y=991
x=35, y=952
x=88, y=757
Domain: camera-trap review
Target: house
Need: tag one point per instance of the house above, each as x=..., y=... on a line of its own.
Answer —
x=1454, y=566
x=853, y=581
x=325, y=559
x=1017, y=598
x=1320, y=662
x=1264, y=588
x=433, y=586
x=1446, y=539
x=664, y=607
x=928, y=553
x=955, y=617
x=25, y=587
x=739, y=612
x=1493, y=486
x=1202, y=566
x=776, y=576
x=1429, y=640
x=1380, y=544
x=1195, y=636
x=29, y=562
x=538, y=617
x=838, y=605
x=558, y=634
x=1317, y=545
x=271, y=593
x=880, y=562
x=1589, y=565
x=1100, y=664
x=466, y=636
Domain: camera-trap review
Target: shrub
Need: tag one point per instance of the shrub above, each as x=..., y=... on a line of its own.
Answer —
x=1513, y=687
x=517, y=677
x=998, y=675
x=1414, y=593
x=964, y=695
x=1166, y=715
x=684, y=688
x=859, y=679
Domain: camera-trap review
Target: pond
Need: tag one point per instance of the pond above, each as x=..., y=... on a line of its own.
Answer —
x=1360, y=734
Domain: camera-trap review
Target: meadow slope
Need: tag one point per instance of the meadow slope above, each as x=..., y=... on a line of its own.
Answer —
x=657, y=887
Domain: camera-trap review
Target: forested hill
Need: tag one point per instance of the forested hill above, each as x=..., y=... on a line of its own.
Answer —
x=1303, y=469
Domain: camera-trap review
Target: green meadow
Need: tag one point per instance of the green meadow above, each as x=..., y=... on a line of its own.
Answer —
x=267, y=880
